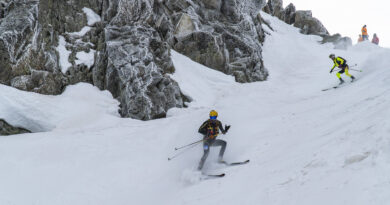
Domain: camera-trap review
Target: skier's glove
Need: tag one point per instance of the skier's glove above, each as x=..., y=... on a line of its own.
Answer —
x=226, y=129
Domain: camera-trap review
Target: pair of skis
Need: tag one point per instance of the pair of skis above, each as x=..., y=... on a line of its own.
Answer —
x=342, y=84
x=334, y=87
x=211, y=176
x=337, y=86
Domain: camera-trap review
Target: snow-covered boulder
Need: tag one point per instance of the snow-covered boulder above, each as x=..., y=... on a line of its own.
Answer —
x=338, y=41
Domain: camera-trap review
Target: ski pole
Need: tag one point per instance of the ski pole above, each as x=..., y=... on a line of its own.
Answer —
x=356, y=70
x=177, y=148
x=189, y=146
x=353, y=65
x=180, y=153
x=336, y=70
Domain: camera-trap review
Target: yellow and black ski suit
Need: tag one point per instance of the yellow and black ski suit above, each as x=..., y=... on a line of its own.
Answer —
x=210, y=130
x=341, y=63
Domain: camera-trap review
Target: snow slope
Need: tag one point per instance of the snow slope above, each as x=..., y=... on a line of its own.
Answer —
x=306, y=146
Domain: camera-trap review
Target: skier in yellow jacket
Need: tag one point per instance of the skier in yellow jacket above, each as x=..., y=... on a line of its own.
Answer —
x=340, y=63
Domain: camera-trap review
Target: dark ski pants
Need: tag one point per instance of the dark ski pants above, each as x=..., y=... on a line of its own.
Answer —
x=206, y=149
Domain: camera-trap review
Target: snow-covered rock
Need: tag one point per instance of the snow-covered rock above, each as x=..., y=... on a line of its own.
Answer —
x=338, y=41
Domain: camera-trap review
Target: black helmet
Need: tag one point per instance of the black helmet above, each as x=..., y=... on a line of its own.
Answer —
x=332, y=56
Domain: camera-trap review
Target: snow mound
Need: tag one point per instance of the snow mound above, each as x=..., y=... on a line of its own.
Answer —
x=78, y=106
x=64, y=54
x=92, y=17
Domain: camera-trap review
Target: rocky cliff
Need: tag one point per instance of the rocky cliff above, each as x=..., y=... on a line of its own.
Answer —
x=124, y=45
x=300, y=19
x=306, y=22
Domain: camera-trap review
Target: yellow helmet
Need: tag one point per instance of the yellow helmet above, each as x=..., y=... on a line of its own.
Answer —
x=213, y=113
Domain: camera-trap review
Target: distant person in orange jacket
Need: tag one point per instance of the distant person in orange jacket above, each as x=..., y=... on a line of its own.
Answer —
x=375, y=39
x=360, y=39
x=365, y=33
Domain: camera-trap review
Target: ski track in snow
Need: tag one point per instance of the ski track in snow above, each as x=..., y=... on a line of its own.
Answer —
x=306, y=146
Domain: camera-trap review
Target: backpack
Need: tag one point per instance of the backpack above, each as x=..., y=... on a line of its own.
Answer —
x=210, y=129
x=345, y=61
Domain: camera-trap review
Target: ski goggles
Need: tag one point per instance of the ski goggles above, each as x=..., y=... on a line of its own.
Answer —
x=213, y=117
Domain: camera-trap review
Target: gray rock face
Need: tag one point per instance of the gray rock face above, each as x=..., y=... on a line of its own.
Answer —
x=135, y=62
x=308, y=24
x=289, y=14
x=46, y=45
x=16, y=35
x=275, y=8
x=228, y=39
x=300, y=19
x=213, y=4
x=43, y=44
x=7, y=129
x=28, y=45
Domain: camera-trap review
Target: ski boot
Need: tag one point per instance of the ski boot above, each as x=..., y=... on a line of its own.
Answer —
x=353, y=78
x=220, y=160
x=341, y=81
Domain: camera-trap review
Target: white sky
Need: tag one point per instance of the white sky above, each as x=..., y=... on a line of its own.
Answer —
x=347, y=17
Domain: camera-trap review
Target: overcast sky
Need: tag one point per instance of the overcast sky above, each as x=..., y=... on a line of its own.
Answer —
x=347, y=17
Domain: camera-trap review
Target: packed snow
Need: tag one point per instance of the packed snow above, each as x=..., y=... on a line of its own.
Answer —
x=81, y=104
x=306, y=146
x=63, y=54
x=85, y=58
x=92, y=17
x=82, y=32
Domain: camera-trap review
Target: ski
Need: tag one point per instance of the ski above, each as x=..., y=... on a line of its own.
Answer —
x=214, y=175
x=211, y=176
x=339, y=85
x=334, y=87
x=327, y=89
x=235, y=163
